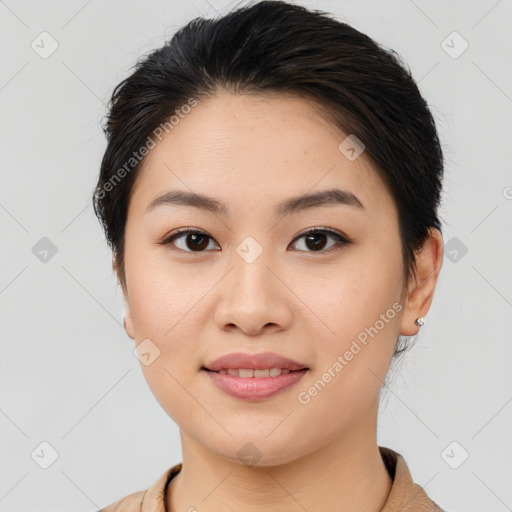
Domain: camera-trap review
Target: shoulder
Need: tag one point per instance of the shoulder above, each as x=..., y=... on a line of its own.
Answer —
x=149, y=500
x=405, y=494
x=130, y=503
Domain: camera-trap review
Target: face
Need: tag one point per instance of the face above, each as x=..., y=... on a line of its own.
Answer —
x=250, y=279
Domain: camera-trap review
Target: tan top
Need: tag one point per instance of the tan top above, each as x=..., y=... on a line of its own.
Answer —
x=405, y=495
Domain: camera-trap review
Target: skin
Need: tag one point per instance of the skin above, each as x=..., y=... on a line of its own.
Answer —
x=252, y=152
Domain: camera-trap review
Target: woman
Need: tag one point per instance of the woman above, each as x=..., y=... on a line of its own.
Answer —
x=270, y=192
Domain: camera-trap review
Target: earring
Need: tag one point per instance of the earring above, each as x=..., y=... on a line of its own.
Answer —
x=420, y=321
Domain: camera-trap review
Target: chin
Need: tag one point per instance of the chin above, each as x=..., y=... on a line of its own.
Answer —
x=256, y=451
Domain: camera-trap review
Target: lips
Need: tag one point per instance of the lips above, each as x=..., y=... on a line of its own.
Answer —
x=254, y=377
x=262, y=361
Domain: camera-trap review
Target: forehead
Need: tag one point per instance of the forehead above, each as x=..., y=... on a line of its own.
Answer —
x=265, y=146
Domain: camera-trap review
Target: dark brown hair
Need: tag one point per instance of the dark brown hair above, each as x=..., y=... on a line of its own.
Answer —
x=275, y=46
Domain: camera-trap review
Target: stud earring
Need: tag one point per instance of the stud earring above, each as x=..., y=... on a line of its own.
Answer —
x=420, y=321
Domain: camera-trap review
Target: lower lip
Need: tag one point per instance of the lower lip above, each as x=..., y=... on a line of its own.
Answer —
x=252, y=388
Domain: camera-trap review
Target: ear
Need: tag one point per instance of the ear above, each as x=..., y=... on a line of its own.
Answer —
x=128, y=321
x=421, y=288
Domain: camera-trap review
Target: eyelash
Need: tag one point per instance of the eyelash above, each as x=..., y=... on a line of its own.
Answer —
x=341, y=240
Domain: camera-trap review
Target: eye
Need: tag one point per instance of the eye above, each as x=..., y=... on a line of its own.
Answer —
x=194, y=240
x=315, y=239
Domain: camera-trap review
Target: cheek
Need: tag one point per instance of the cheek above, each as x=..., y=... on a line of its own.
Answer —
x=158, y=295
x=167, y=308
x=352, y=363
x=163, y=312
x=354, y=297
x=360, y=312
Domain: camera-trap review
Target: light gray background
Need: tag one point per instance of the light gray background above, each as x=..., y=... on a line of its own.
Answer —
x=68, y=375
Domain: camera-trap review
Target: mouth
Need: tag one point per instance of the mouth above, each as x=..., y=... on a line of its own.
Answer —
x=254, y=376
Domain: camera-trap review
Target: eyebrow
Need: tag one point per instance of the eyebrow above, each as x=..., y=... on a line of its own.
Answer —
x=330, y=197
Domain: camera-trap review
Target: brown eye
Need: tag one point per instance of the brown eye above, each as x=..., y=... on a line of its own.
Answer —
x=315, y=240
x=194, y=240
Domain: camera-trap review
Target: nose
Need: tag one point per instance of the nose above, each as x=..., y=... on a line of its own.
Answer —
x=253, y=298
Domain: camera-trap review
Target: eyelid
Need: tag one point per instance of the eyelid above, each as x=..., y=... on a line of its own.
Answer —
x=320, y=229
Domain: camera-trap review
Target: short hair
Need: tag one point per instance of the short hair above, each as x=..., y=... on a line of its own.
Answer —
x=272, y=46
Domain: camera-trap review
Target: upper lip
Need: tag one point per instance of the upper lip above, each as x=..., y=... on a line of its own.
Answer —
x=255, y=361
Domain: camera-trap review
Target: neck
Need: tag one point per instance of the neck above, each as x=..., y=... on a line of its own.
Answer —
x=347, y=473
